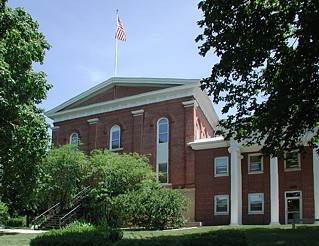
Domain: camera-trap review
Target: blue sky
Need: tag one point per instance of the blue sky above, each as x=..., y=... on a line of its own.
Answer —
x=160, y=42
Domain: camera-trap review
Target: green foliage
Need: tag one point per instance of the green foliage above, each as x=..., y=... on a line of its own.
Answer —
x=124, y=193
x=111, y=174
x=61, y=175
x=4, y=214
x=16, y=222
x=151, y=207
x=23, y=131
x=268, y=69
x=78, y=234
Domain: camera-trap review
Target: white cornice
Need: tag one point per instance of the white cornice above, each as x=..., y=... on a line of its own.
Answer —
x=138, y=112
x=138, y=81
x=125, y=102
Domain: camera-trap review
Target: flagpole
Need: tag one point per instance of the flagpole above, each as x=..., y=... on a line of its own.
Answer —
x=115, y=68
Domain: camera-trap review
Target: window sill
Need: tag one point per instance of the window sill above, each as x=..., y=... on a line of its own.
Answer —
x=257, y=172
x=219, y=214
x=293, y=169
x=117, y=149
x=220, y=175
x=255, y=213
x=166, y=184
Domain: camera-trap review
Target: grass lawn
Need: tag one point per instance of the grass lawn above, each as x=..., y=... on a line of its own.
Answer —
x=241, y=235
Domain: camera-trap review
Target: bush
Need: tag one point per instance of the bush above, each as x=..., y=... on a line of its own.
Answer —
x=61, y=176
x=78, y=234
x=4, y=215
x=151, y=208
x=16, y=222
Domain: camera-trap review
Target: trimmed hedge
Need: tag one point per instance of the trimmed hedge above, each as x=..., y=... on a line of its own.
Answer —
x=78, y=234
x=16, y=222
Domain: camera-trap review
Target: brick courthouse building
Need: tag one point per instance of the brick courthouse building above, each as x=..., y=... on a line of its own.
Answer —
x=175, y=122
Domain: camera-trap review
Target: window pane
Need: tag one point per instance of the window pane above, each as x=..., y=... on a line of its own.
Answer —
x=162, y=128
x=256, y=202
x=115, y=135
x=163, y=138
x=292, y=160
x=221, y=166
x=221, y=204
x=162, y=172
x=115, y=144
x=255, y=158
x=255, y=167
x=74, y=139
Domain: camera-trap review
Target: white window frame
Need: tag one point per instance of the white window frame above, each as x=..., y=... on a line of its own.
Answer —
x=157, y=148
x=215, y=205
x=215, y=169
x=294, y=168
x=115, y=128
x=263, y=203
x=71, y=136
x=262, y=163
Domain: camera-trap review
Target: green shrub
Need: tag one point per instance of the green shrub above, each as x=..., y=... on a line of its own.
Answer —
x=4, y=215
x=152, y=208
x=78, y=234
x=16, y=222
x=61, y=176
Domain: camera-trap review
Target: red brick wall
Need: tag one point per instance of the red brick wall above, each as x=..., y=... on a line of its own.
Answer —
x=97, y=136
x=202, y=122
x=255, y=183
x=113, y=93
x=207, y=186
x=298, y=181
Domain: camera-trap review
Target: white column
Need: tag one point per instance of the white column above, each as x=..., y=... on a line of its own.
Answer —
x=235, y=181
x=316, y=183
x=274, y=191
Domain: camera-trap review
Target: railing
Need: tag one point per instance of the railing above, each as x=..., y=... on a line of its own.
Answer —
x=67, y=217
x=45, y=215
x=39, y=220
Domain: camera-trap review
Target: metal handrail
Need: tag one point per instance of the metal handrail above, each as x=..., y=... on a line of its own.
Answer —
x=36, y=219
x=45, y=214
x=66, y=215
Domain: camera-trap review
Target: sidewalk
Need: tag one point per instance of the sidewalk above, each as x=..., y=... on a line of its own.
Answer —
x=19, y=231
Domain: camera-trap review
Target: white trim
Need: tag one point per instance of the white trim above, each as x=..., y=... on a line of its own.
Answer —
x=117, y=149
x=227, y=166
x=262, y=163
x=166, y=157
x=274, y=191
x=93, y=121
x=115, y=128
x=295, y=168
x=300, y=200
x=315, y=166
x=191, y=103
x=138, y=81
x=249, y=200
x=215, y=204
x=53, y=128
x=137, y=112
x=209, y=143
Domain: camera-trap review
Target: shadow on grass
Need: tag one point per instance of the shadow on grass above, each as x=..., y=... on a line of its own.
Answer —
x=2, y=233
x=302, y=236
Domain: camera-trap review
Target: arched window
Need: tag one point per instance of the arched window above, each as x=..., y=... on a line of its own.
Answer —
x=115, y=137
x=162, y=128
x=162, y=150
x=74, y=138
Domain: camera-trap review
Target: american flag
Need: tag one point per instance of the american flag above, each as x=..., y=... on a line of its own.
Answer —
x=120, y=32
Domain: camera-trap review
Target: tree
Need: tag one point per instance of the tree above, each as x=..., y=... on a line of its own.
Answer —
x=23, y=131
x=268, y=69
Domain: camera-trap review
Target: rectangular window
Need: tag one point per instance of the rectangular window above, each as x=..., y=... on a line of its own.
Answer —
x=255, y=203
x=221, y=204
x=221, y=166
x=255, y=163
x=162, y=173
x=292, y=160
